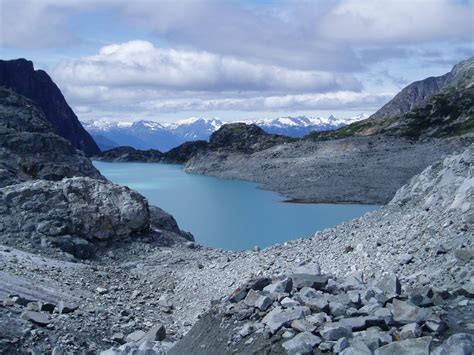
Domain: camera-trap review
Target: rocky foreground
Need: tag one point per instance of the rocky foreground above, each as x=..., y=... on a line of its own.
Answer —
x=397, y=278
x=87, y=266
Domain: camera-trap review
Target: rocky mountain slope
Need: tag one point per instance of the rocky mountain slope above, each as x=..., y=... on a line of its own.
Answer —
x=29, y=148
x=434, y=107
x=144, y=135
x=419, y=93
x=20, y=76
x=358, y=170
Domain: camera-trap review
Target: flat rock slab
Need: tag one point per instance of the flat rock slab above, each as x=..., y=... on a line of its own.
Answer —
x=420, y=346
x=36, y=317
x=335, y=332
x=303, y=343
x=407, y=312
x=279, y=317
x=317, y=282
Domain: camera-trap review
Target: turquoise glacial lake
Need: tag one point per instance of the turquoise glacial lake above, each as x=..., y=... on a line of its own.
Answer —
x=227, y=214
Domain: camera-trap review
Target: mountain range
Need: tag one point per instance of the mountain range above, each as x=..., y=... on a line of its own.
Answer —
x=167, y=135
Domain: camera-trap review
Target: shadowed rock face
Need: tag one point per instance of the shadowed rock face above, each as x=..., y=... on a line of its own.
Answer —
x=20, y=76
x=29, y=148
x=241, y=137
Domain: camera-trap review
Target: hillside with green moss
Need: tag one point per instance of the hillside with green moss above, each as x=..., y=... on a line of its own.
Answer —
x=445, y=113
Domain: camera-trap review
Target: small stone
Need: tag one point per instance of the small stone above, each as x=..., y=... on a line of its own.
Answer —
x=335, y=332
x=318, y=318
x=407, y=312
x=435, y=324
x=36, y=317
x=135, y=336
x=390, y=285
x=157, y=333
x=303, y=325
x=357, y=347
x=340, y=345
x=405, y=259
x=418, y=346
x=101, y=290
x=252, y=298
x=317, y=282
x=238, y=294
x=118, y=338
x=410, y=331
x=279, y=317
x=289, y=302
x=64, y=308
x=283, y=286
x=464, y=255
x=302, y=343
x=260, y=283
x=263, y=302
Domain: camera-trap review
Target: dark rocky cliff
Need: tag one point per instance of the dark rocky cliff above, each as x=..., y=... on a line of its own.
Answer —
x=20, y=76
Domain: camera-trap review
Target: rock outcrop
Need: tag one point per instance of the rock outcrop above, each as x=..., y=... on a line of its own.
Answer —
x=29, y=148
x=20, y=76
x=357, y=169
x=84, y=207
x=52, y=196
x=434, y=107
x=244, y=138
x=127, y=154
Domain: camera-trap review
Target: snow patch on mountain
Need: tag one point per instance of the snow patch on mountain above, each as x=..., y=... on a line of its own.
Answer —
x=167, y=135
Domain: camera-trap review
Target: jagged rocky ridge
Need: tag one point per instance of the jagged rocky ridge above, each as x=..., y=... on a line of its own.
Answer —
x=29, y=148
x=20, y=76
x=420, y=92
x=434, y=107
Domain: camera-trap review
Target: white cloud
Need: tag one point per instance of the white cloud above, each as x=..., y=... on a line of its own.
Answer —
x=140, y=64
x=334, y=101
x=398, y=21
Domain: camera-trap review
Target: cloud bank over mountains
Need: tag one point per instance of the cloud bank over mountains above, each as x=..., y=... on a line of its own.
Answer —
x=250, y=56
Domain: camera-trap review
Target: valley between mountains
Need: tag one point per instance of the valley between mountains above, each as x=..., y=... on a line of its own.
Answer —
x=88, y=266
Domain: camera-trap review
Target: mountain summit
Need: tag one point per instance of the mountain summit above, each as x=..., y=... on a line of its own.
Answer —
x=20, y=76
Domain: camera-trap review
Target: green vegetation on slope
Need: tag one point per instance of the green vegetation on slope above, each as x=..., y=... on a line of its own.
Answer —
x=448, y=114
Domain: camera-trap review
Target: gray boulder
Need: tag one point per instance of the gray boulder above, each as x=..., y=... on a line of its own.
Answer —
x=309, y=280
x=282, y=286
x=335, y=332
x=82, y=207
x=419, y=346
x=303, y=343
x=457, y=344
x=407, y=312
x=279, y=317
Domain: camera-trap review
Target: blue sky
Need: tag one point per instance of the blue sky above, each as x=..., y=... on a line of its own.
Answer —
x=167, y=60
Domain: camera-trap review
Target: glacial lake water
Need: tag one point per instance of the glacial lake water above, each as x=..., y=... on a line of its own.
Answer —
x=227, y=214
